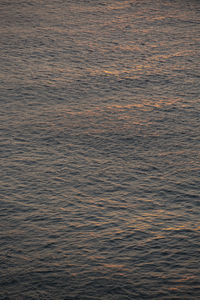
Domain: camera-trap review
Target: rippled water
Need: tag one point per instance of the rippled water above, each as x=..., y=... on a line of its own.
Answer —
x=100, y=122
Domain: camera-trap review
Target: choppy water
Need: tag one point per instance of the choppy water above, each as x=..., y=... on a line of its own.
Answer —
x=100, y=123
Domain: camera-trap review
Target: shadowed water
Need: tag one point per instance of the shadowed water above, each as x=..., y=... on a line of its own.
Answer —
x=100, y=150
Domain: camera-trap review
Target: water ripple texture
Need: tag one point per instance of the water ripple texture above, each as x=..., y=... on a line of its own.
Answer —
x=100, y=150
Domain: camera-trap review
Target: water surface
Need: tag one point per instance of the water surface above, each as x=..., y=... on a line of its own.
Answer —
x=100, y=150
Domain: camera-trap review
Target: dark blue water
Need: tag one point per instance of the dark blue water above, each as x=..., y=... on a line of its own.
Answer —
x=100, y=150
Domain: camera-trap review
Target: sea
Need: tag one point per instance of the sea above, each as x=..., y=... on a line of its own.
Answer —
x=100, y=149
